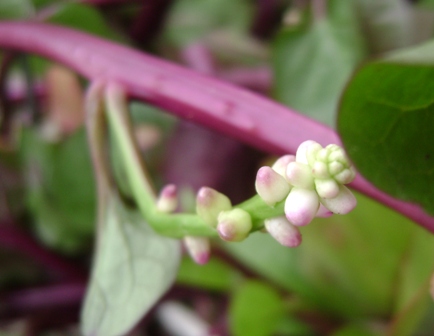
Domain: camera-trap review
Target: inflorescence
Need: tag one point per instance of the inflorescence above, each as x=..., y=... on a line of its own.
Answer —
x=311, y=183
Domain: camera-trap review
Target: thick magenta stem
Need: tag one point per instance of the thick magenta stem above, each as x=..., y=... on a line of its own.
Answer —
x=224, y=107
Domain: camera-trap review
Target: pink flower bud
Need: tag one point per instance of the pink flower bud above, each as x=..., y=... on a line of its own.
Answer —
x=234, y=225
x=198, y=248
x=168, y=199
x=343, y=203
x=270, y=186
x=283, y=231
x=323, y=212
x=301, y=206
x=209, y=203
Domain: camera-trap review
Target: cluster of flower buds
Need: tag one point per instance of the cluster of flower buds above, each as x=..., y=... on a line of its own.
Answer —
x=216, y=210
x=197, y=247
x=312, y=182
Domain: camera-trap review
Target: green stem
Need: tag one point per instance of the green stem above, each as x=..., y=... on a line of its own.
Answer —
x=173, y=225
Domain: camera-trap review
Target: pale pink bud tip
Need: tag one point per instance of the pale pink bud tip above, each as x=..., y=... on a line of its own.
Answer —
x=209, y=203
x=283, y=231
x=270, y=186
x=234, y=225
x=323, y=212
x=168, y=199
x=301, y=206
x=198, y=248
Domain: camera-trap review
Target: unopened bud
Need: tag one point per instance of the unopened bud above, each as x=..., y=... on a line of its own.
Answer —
x=301, y=206
x=323, y=212
x=168, y=199
x=270, y=186
x=326, y=188
x=343, y=203
x=300, y=175
x=198, y=248
x=281, y=163
x=283, y=231
x=234, y=225
x=302, y=150
x=209, y=203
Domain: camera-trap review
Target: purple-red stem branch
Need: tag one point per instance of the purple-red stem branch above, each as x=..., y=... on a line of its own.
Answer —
x=224, y=107
x=15, y=239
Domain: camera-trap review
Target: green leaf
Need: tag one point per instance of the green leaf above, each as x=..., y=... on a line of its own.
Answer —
x=133, y=268
x=255, y=310
x=313, y=62
x=388, y=24
x=347, y=266
x=15, y=9
x=385, y=122
x=60, y=189
x=215, y=275
x=191, y=20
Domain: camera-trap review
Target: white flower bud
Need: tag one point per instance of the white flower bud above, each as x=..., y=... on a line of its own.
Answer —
x=301, y=206
x=319, y=170
x=271, y=186
x=346, y=176
x=335, y=167
x=343, y=203
x=326, y=188
x=283, y=231
x=168, y=199
x=198, y=248
x=234, y=225
x=299, y=175
x=281, y=163
x=300, y=155
x=209, y=203
x=312, y=151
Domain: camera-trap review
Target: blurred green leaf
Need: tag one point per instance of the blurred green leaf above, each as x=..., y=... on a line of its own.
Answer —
x=15, y=9
x=60, y=189
x=215, y=275
x=192, y=20
x=347, y=266
x=387, y=24
x=133, y=268
x=313, y=61
x=255, y=310
x=385, y=122
x=357, y=329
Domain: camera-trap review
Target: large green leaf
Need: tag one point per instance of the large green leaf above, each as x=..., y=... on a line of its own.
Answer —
x=348, y=266
x=385, y=123
x=133, y=268
x=255, y=310
x=16, y=9
x=312, y=62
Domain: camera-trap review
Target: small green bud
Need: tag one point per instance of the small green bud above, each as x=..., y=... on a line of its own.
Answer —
x=234, y=225
x=209, y=203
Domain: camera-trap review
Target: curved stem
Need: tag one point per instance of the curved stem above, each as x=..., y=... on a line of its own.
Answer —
x=228, y=109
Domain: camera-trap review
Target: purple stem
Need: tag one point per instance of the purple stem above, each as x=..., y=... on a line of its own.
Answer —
x=25, y=301
x=224, y=107
x=15, y=239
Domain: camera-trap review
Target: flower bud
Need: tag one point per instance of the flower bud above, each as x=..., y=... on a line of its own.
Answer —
x=281, y=163
x=234, y=225
x=283, y=231
x=270, y=186
x=300, y=155
x=198, y=248
x=209, y=203
x=343, y=203
x=299, y=175
x=301, y=206
x=323, y=212
x=168, y=199
x=326, y=188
